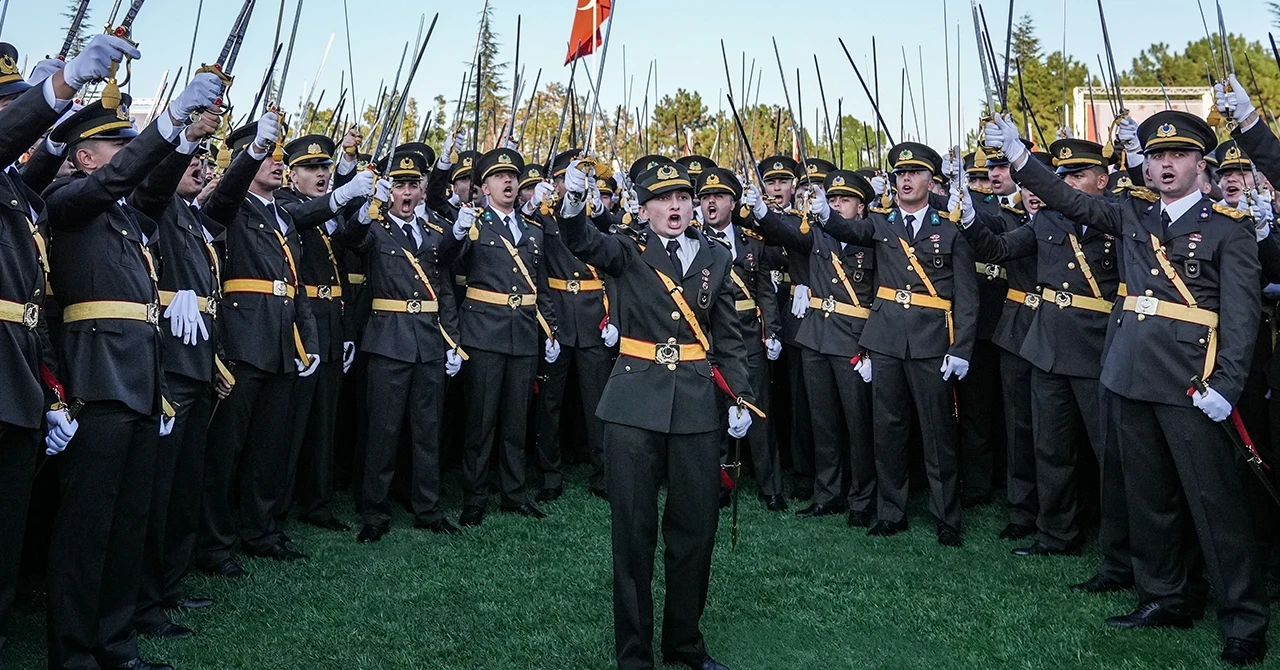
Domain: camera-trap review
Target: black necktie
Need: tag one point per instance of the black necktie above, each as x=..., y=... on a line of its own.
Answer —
x=907, y=223
x=408, y=232
x=1164, y=218
x=672, y=248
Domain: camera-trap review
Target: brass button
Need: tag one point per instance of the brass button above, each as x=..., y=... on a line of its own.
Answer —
x=1066, y=284
x=575, y=275
x=1071, y=266
x=675, y=316
x=1191, y=254
x=1148, y=293
x=1191, y=246
x=835, y=280
x=1142, y=317
x=1202, y=340
x=1154, y=272
x=124, y=232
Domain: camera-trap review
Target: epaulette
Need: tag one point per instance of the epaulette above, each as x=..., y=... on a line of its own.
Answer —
x=981, y=189
x=433, y=226
x=752, y=234
x=1144, y=193
x=1229, y=211
x=880, y=210
x=1013, y=209
x=531, y=220
x=724, y=242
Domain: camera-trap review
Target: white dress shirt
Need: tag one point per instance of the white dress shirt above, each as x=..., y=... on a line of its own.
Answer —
x=688, y=248
x=271, y=204
x=919, y=218
x=513, y=224
x=1180, y=206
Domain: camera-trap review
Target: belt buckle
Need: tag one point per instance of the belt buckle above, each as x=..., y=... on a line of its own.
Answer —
x=413, y=306
x=776, y=276
x=666, y=354
x=212, y=307
x=1146, y=305
x=902, y=297
x=828, y=305
x=153, y=313
x=30, y=315
x=278, y=287
x=324, y=292
x=574, y=285
x=514, y=300
x=1032, y=300
x=991, y=270
x=1062, y=299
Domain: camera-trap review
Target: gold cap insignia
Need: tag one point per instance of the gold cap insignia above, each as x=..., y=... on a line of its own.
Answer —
x=533, y=172
x=122, y=112
x=504, y=159
x=667, y=172
x=695, y=165
x=777, y=165
x=1166, y=130
x=602, y=184
x=7, y=65
x=1065, y=153
x=406, y=163
x=1124, y=182
x=837, y=181
x=1233, y=153
x=811, y=168
x=466, y=162
x=905, y=155
x=713, y=180
x=314, y=149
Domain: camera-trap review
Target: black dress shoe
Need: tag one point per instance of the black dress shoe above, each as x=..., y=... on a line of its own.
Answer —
x=439, y=527
x=599, y=493
x=821, y=509
x=525, y=510
x=887, y=528
x=948, y=536
x=775, y=503
x=860, y=518
x=1100, y=584
x=550, y=495
x=329, y=523
x=281, y=552
x=471, y=516
x=139, y=664
x=370, y=533
x=227, y=568
x=189, y=603
x=1016, y=531
x=1151, y=615
x=1039, y=549
x=168, y=631
x=1238, y=651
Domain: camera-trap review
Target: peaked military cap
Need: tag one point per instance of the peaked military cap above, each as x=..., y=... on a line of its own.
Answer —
x=696, y=164
x=718, y=180
x=422, y=149
x=562, y=160
x=997, y=157
x=11, y=81
x=499, y=161
x=971, y=168
x=644, y=163
x=95, y=122
x=815, y=169
x=1228, y=156
x=309, y=150
x=1073, y=155
x=846, y=182
x=1045, y=158
x=609, y=186
x=1171, y=129
x=662, y=178
x=531, y=175
x=777, y=167
x=407, y=165
x=462, y=169
x=914, y=157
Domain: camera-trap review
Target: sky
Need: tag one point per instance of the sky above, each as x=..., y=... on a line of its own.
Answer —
x=680, y=37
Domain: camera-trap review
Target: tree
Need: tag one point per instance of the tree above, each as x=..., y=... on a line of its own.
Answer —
x=1046, y=80
x=82, y=35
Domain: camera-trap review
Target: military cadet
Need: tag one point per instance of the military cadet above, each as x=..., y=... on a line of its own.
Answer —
x=26, y=111
x=104, y=274
x=411, y=342
x=1190, y=320
x=450, y=183
x=314, y=211
x=585, y=336
x=1234, y=172
x=977, y=177
x=654, y=407
x=529, y=179
x=269, y=337
x=189, y=288
x=920, y=336
x=1079, y=270
x=507, y=313
x=779, y=173
x=696, y=164
x=756, y=304
x=837, y=371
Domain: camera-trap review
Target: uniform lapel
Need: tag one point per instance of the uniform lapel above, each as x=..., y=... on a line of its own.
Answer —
x=704, y=258
x=1190, y=220
x=655, y=254
x=1151, y=221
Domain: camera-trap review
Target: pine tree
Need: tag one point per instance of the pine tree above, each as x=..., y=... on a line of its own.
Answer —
x=83, y=35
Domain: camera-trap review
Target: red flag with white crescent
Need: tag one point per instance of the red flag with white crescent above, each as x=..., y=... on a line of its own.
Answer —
x=585, y=36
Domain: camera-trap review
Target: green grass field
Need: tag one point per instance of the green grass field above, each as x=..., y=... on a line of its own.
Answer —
x=522, y=594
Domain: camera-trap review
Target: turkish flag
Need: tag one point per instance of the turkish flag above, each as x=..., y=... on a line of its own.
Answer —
x=585, y=36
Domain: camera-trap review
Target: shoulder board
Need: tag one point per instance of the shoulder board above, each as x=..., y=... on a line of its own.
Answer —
x=1015, y=210
x=880, y=210
x=752, y=234
x=981, y=189
x=532, y=220
x=431, y=224
x=1144, y=193
x=1229, y=211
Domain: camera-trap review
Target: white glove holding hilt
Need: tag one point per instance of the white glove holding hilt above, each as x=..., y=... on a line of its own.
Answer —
x=452, y=362
x=308, y=368
x=61, y=430
x=954, y=366
x=1233, y=104
x=268, y=132
x=739, y=422
x=551, y=351
x=462, y=225
x=958, y=199
x=1212, y=404
x=348, y=355
x=755, y=201
x=202, y=93
x=93, y=63
x=609, y=334
x=819, y=207
x=361, y=186
x=1002, y=133
x=863, y=367
x=772, y=348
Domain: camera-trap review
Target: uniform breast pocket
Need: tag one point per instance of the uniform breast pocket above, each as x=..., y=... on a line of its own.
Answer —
x=1193, y=334
x=937, y=262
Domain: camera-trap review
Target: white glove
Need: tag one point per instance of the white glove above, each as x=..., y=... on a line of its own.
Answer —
x=360, y=186
x=452, y=362
x=958, y=199
x=93, y=63
x=609, y=334
x=818, y=205
x=878, y=184
x=166, y=425
x=1005, y=134
x=1234, y=104
x=593, y=196
x=543, y=192
x=1212, y=404
x=308, y=368
x=551, y=351
x=575, y=179
x=459, y=142
x=739, y=422
x=952, y=365
x=772, y=348
x=44, y=69
x=1127, y=133
x=348, y=355
x=633, y=204
x=184, y=318
x=203, y=91
x=462, y=224
x=800, y=301
x=268, y=131
x=753, y=199
x=949, y=161
x=1261, y=210
x=61, y=430
x=863, y=367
